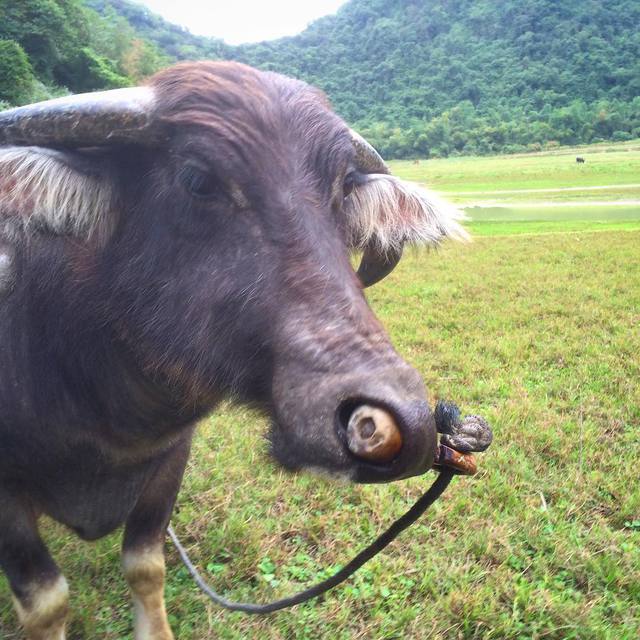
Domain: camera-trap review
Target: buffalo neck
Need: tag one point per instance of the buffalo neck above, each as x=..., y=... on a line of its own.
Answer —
x=69, y=367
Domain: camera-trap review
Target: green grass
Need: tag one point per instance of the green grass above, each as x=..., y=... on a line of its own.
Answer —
x=539, y=192
x=462, y=177
x=540, y=334
x=561, y=218
x=536, y=227
x=557, y=213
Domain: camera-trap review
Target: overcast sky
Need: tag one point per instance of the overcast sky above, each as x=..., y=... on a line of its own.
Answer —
x=237, y=21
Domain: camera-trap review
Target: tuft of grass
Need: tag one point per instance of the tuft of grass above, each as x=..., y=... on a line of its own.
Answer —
x=538, y=333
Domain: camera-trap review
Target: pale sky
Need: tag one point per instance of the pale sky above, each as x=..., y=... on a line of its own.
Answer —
x=238, y=21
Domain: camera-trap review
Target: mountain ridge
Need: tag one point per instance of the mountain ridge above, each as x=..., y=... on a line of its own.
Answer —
x=440, y=77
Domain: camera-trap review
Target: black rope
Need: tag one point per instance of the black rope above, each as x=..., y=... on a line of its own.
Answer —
x=422, y=504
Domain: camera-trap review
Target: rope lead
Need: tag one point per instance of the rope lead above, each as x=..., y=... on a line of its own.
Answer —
x=384, y=539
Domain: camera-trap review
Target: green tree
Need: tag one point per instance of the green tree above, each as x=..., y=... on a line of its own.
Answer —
x=40, y=27
x=88, y=71
x=16, y=75
x=418, y=77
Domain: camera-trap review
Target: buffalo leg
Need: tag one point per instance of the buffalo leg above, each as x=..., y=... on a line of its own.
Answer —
x=40, y=592
x=143, y=546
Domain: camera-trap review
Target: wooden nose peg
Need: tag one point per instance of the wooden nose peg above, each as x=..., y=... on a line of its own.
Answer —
x=373, y=434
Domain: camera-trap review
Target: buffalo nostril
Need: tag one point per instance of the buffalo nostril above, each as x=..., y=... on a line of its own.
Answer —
x=373, y=434
x=367, y=428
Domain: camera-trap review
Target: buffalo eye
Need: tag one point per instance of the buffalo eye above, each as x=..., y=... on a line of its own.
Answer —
x=348, y=184
x=199, y=183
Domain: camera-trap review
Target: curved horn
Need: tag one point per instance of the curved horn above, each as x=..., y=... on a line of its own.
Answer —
x=85, y=120
x=375, y=264
x=368, y=160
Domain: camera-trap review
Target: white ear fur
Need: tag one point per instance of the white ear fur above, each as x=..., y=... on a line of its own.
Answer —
x=37, y=188
x=392, y=213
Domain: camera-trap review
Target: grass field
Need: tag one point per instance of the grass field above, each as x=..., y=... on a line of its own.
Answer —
x=606, y=164
x=540, y=192
x=536, y=326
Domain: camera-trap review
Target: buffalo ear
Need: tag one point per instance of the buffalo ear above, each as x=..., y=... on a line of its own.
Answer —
x=66, y=192
x=385, y=214
x=59, y=192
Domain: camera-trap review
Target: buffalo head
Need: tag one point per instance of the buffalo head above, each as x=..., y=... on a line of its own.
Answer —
x=205, y=222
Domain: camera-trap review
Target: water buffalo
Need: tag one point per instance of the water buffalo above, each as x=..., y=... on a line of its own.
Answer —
x=167, y=246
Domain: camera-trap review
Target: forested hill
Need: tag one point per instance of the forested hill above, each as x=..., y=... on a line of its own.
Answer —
x=423, y=77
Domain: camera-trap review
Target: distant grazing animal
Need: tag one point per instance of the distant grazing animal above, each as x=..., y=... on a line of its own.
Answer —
x=580, y=160
x=416, y=162
x=167, y=246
